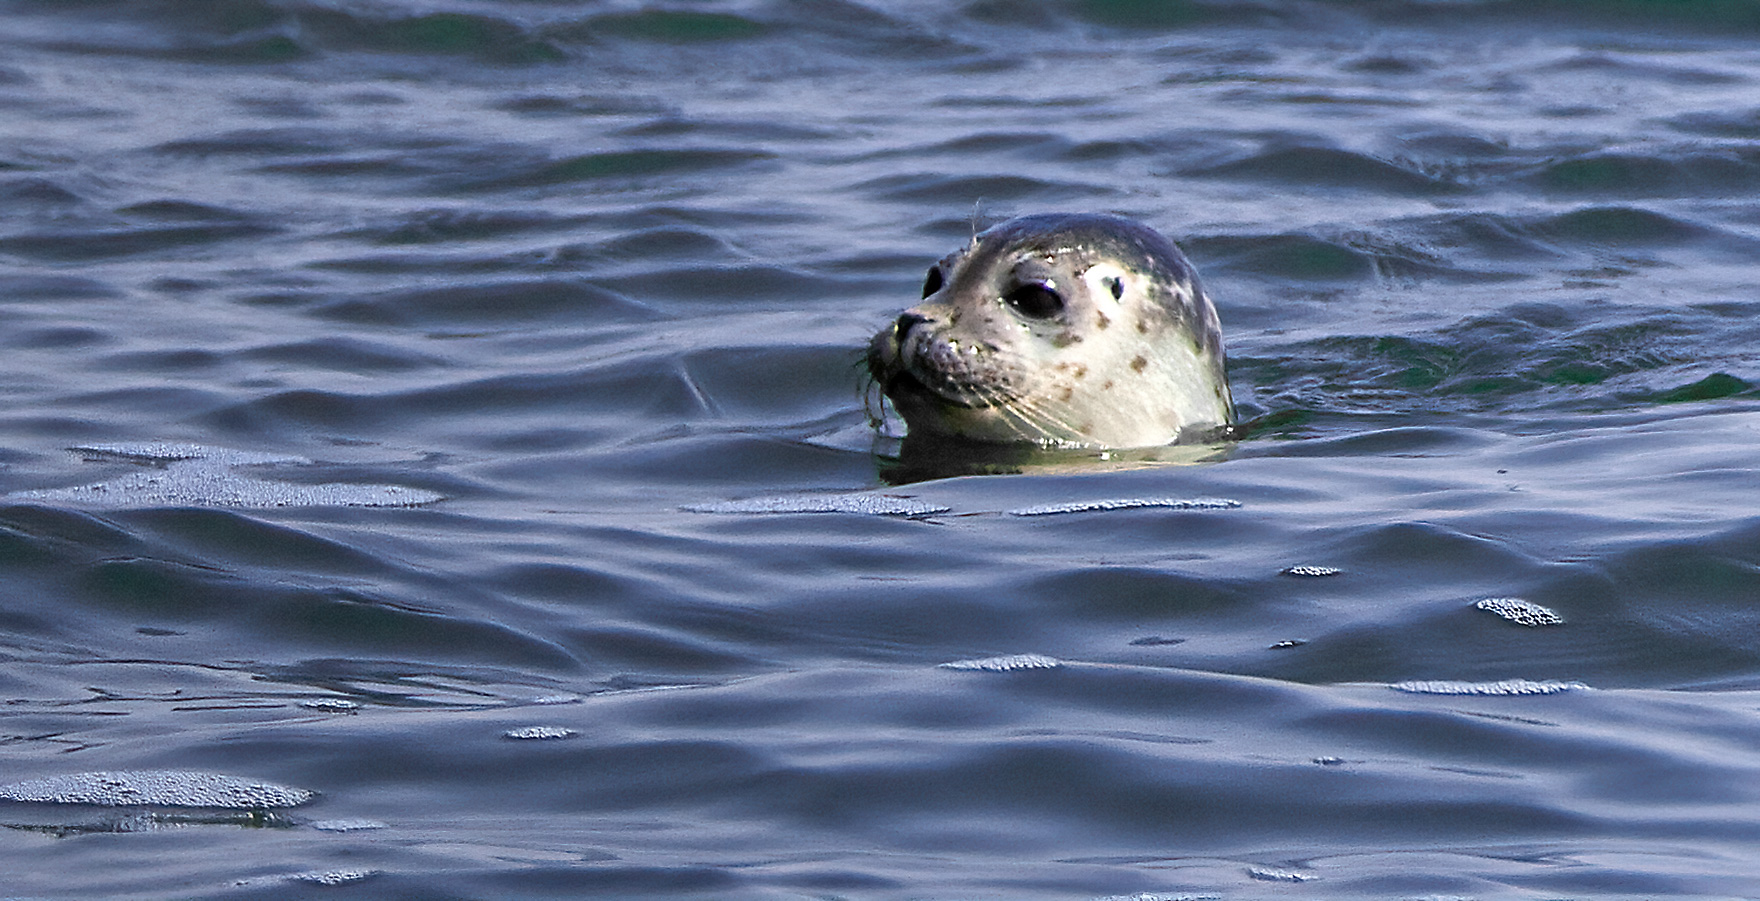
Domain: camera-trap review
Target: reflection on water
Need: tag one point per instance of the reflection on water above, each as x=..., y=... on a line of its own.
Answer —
x=917, y=459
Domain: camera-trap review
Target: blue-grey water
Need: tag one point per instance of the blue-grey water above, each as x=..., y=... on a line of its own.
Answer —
x=452, y=409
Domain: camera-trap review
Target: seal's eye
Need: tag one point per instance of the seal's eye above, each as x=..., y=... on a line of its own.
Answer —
x=1035, y=301
x=933, y=282
x=1116, y=286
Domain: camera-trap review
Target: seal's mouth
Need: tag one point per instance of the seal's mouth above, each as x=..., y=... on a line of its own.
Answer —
x=887, y=366
x=905, y=384
x=910, y=371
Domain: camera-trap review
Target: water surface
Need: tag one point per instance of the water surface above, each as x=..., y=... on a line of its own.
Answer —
x=454, y=409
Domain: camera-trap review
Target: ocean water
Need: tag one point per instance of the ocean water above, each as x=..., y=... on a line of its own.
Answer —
x=437, y=462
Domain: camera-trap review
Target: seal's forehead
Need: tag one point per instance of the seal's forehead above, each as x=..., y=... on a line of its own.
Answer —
x=1084, y=235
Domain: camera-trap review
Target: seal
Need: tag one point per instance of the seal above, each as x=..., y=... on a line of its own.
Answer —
x=1073, y=330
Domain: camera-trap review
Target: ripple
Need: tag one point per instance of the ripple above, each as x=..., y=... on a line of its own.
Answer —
x=1333, y=168
x=475, y=304
x=342, y=354
x=446, y=226
x=1128, y=15
x=81, y=246
x=489, y=38
x=1720, y=123
x=1300, y=257
x=1620, y=226
x=1712, y=387
x=1332, y=258
x=964, y=190
x=257, y=143
x=674, y=26
x=54, y=287
x=719, y=283
x=38, y=195
x=618, y=166
x=1521, y=359
x=1638, y=174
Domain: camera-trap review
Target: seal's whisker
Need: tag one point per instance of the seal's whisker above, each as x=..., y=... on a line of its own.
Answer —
x=1018, y=416
x=1021, y=416
x=1047, y=423
x=1021, y=419
x=1032, y=419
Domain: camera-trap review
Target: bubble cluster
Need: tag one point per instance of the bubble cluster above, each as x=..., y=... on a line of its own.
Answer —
x=1504, y=687
x=553, y=700
x=1005, y=663
x=1160, y=896
x=331, y=705
x=189, y=475
x=1519, y=611
x=333, y=877
x=1312, y=571
x=538, y=733
x=164, y=788
x=347, y=825
x=859, y=502
x=1129, y=503
x=1266, y=874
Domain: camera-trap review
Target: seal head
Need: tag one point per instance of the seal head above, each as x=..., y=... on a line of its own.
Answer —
x=1061, y=330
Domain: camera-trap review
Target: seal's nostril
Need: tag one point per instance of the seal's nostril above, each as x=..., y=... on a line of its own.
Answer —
x=906, y=322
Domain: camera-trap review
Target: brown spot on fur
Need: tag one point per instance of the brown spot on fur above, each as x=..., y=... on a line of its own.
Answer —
x=1066, y=394
x=1102, y=323
x=1139, y=364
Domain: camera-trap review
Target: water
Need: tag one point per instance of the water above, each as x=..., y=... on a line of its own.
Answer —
x=453, y=409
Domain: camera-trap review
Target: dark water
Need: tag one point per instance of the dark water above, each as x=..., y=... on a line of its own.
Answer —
x=598, y=275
